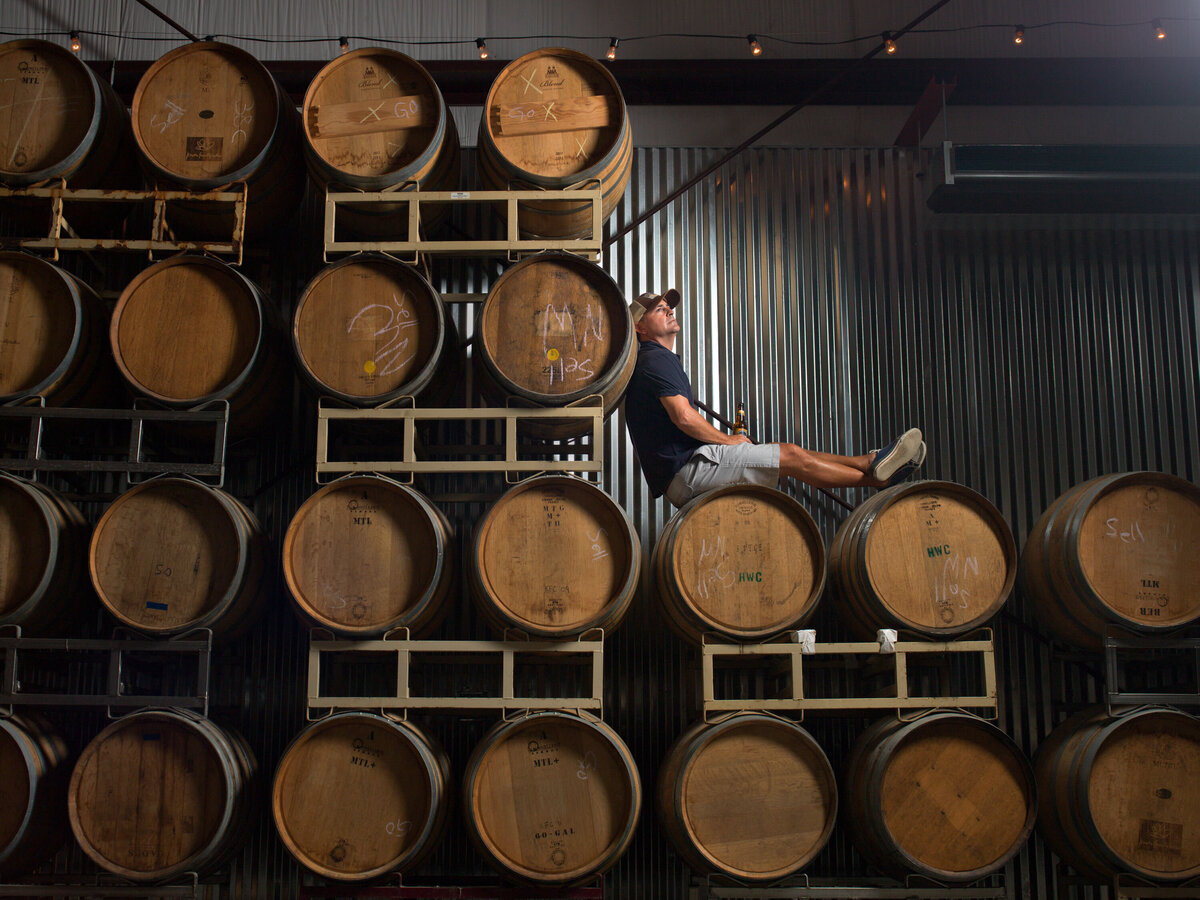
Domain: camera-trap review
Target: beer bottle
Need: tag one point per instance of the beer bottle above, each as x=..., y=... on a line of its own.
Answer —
x=739, y=422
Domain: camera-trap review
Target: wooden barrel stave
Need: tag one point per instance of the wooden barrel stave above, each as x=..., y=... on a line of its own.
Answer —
x=750, y=796
x=368, y=330
x=172, y=555
x=192, y=330
x=147, y=774
x=947, y=796
x=1116, y=552
x=554, y=330
x=34, y=773
x=744, y=561
x=1118, y=794
x=357, y=795
x=554, y=119
x=375, y=119
x=208, y=115
x=552, y=799
x=929, y=556
x=555, y=556
x=43, y=550
x=367, y=554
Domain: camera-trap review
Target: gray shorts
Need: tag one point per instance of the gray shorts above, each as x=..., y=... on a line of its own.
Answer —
x=716, y=465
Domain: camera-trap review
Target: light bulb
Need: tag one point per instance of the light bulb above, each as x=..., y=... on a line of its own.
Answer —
x=755, y=46
x=612, y=48
x=1019, y=35
x=482, y=45
x=75, y=43
x=344, y=43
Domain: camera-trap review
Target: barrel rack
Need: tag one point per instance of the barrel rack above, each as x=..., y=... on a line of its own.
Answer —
x=512, y=245
x=62, y=236
x=45, y=424
x=802, y=646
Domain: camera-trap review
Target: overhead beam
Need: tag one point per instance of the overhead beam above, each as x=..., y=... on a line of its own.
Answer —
x=767, y=82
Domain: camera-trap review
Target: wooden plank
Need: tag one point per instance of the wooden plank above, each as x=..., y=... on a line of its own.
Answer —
x=551, y=117
x=335, y=120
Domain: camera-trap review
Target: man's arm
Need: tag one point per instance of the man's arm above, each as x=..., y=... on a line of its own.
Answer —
x=691, y=423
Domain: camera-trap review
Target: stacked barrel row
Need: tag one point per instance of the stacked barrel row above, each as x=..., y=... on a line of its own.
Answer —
x=947, y=796
x=208, y=115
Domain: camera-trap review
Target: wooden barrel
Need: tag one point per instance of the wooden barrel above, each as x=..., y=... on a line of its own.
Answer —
x=59, y=121
x=948, y=796
x=1122, y=794
x=357, y=795
x=553, y=330
x=555, y=556
x=553, y=798
x=190, y=330
x=207, y=115
x=34, y=771
x=161, y=792
x=369, y=329
x=43, y=556
x=744, y=561
x=1116, y=552
x=553, y=119
x=52, y=336
x=172, y=554
x=373, y=119
x=366, y=554
x=929, y=556
x=751, y=796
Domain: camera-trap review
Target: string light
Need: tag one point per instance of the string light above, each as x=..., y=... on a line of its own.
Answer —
x=888, y=44
x=1158, y=29
x=75, y=42
x=344, y=43
x=612, y=48
x=1019, y=35
x=482, y=45
x=755, y=46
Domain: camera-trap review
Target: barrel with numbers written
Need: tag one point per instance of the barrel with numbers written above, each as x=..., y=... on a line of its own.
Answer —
x=743, y=561
x=369, y=329
x=1120, y=793
x=208, y=115
x=948, y=796
x=367, y=554
x=1117, y=552
x=553, y=798
x=555, y=556
x=374, y=119
x=172, y=554
x=357, y=795
x=162, y=792
x=929, y=556
x=555, y=119
x=750, y=796
x=554, y=331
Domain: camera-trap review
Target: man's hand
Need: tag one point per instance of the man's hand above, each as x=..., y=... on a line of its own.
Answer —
x=690, y=422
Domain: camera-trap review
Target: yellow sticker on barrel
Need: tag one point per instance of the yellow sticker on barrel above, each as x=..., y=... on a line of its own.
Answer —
x=369, y=368
x=552, y=355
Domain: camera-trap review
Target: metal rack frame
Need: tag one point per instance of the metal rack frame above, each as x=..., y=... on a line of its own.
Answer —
x=507, y=652
x=34, y=462
x=491, y=891
x=511, y=246
x=588, y=409
x=804, y=645
x=1113, y=647
x=233, y=195
x=11, y=694
x=710, y=889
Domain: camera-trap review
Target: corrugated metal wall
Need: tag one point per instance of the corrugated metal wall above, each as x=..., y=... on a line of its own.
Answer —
x=1035, y=354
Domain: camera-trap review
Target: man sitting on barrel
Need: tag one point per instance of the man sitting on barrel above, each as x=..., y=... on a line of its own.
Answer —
x=683, y=456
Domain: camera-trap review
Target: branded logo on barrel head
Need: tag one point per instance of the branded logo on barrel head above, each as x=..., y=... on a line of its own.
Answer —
x=203, y=149
x=746, y=507
x=1160, y=837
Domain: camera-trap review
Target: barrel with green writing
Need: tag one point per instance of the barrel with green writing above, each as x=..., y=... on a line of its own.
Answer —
x=928, y=556
x=745, y=562
x=1116, y=552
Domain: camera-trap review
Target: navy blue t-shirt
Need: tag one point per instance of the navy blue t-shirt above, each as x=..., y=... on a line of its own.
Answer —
x=661, y=447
